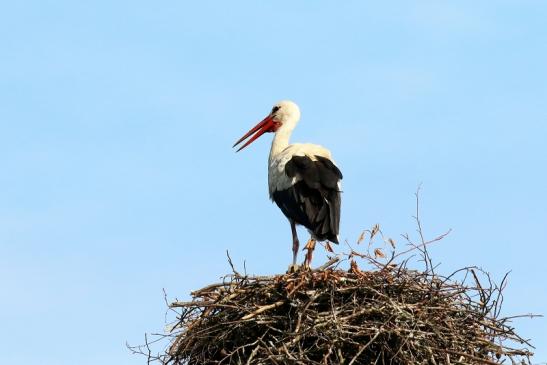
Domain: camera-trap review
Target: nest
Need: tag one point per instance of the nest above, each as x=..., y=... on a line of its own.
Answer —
x=389, y=315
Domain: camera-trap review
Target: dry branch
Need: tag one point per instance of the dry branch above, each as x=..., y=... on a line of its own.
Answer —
x=390, y=315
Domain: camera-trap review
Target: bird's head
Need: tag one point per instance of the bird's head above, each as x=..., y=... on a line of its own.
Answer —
x=284, y=116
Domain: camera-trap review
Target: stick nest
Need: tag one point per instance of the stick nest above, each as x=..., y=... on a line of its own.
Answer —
x=388, y=315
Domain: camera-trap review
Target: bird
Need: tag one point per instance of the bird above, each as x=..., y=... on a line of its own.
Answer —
x=303, y=180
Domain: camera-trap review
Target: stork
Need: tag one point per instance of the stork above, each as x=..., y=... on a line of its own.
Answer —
x=303, y=179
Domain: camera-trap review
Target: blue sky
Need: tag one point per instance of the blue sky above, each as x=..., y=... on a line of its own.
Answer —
x=117, y=120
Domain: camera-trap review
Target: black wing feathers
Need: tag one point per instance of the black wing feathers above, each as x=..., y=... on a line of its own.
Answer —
x=314, y=201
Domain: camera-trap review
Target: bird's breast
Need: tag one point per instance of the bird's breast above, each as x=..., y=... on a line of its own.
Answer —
x=277, y=178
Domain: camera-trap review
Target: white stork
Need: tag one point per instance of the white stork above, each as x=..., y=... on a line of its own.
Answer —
x=303, y=180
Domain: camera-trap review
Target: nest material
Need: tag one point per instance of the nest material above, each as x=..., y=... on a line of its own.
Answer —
x=390, y=315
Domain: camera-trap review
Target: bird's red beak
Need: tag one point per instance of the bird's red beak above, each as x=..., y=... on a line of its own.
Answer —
x=267, y=125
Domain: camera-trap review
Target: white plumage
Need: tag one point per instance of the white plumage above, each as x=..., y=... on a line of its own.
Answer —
x=303, y=180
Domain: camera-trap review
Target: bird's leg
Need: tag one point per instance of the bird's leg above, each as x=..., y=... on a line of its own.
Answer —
x=295, y=245
x=310, y=246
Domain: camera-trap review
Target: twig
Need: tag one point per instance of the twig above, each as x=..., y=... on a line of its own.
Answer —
x=262, y=309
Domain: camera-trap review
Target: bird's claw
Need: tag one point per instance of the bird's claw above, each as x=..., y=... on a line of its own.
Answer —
x=293, y=268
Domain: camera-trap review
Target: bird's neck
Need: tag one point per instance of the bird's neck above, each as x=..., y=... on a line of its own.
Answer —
x=280, y=142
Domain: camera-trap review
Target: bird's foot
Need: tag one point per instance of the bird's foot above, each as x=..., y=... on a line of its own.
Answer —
x=293, y=268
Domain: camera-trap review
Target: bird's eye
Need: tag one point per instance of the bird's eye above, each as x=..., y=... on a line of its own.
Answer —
x=274, y=109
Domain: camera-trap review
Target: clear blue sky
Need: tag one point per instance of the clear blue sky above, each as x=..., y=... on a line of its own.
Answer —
x=118, y=178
